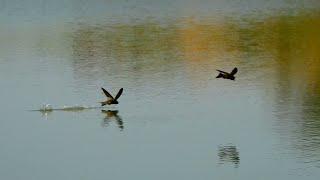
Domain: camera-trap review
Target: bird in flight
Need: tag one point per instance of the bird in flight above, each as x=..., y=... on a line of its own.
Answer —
x=111, y=99
x=226, y=75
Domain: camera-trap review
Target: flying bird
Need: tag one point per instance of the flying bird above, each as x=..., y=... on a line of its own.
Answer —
x=226, y=75
x=111, y=99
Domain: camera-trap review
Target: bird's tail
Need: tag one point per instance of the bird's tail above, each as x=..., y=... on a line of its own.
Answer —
x=219, y=75
x=103, y=103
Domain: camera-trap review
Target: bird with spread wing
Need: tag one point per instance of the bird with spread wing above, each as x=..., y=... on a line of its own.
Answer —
x=110, y=98
x=226, y=75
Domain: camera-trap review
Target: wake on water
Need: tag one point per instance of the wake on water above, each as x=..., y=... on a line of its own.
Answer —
x=49, y=108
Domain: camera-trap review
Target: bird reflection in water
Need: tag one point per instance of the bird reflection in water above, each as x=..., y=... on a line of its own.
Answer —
x=110, y=116
x=45, y=114
x=229, y=154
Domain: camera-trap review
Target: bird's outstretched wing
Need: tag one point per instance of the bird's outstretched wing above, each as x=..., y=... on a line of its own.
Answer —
x=222, y=71
x=107, y=93
x=119, y=94
x=234, y=71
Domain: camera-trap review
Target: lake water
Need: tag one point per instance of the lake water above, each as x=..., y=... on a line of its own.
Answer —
x=175, y=120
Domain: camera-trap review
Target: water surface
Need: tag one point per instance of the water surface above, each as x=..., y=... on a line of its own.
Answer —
x=174, y=120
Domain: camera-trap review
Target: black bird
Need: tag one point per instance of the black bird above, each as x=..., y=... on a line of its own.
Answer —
x=110, y=99
x=226, y=75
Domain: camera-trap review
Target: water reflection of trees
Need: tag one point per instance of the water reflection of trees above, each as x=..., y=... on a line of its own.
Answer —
x=140, y=51
x=289, y=45
x=297, y=81
x=136, y=52
x=150, y=46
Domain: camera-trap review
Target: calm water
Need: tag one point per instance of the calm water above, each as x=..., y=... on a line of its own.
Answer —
x=174, y=120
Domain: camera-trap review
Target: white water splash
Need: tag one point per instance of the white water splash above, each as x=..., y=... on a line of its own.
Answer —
x=49, y=108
